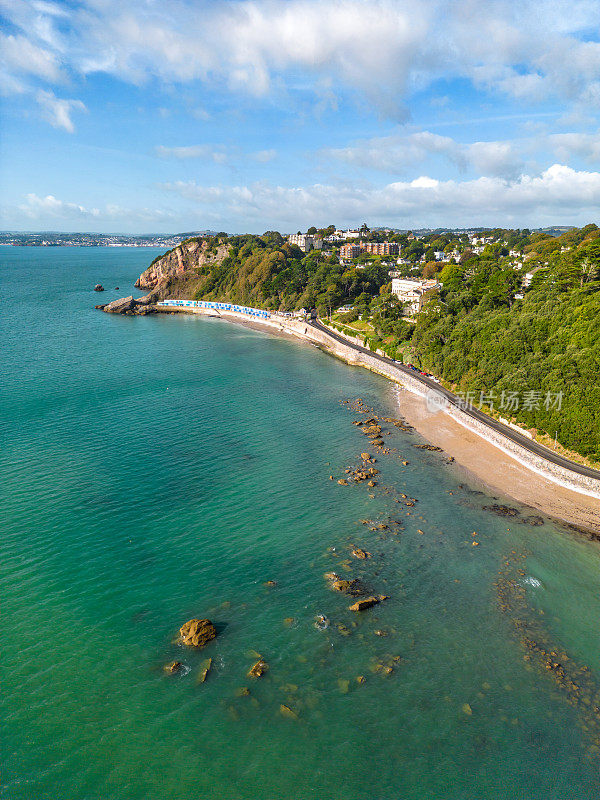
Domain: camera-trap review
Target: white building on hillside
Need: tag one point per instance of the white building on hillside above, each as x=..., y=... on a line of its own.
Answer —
x=305, y=242
x=414, y=293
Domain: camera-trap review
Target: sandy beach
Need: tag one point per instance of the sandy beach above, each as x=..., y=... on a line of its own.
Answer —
x=494, y=468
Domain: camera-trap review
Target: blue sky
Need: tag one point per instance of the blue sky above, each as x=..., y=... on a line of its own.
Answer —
x=246, y=116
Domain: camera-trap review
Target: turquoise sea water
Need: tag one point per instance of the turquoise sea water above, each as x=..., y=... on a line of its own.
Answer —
x=161, y=468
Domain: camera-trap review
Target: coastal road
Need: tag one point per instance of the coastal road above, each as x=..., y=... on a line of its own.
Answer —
x=510, y=433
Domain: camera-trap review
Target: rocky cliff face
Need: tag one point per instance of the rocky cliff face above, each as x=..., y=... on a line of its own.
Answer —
x=176, y=274
x=187, y=256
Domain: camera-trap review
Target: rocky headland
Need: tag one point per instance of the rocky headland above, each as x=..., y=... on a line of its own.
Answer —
x=176, y=274
x=183, y=262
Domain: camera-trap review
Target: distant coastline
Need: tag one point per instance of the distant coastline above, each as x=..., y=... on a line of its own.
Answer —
x=56, y=239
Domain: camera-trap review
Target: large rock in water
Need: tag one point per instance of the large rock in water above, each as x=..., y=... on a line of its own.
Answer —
x=197, y=632
x=120, y=306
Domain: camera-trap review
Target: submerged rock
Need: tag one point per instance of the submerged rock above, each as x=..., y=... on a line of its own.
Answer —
x=197, y=632
x=367, y=602
x=351, y=587
x=258, y=670
x=502, y=511
x=358, y=552
x=173, y=667
x=286, y=711
x=205, y=669
x=533, y=520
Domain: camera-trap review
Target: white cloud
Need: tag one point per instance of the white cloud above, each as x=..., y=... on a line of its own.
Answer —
x=583, y=145
x=219, y=153
x=202, y=113
x=57, y=111
x=216, y=153
x=494, y=158
x=22, y=59
x=383, y=49
x=559, y=194
x=397, y=153
x=264, y=156
x=50, y=209
x=49, y=206
x=400, y=152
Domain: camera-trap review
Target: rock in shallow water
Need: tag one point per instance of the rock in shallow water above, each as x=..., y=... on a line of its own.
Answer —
x=173, y=667
x=197, y=632
x=120, y=306
x=258, y=670
x=367, y=602
x=204, y=670
x=351, y=587
x=502, y=511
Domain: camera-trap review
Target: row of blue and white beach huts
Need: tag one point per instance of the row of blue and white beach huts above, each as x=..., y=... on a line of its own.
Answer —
x=251, y=312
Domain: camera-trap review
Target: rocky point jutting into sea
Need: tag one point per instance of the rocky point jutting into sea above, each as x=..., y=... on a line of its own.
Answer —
x=173, y=275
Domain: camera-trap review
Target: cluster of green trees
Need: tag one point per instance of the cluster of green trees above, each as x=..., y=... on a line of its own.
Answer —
x=269, y=272
x=544, y=349
x=474, y=334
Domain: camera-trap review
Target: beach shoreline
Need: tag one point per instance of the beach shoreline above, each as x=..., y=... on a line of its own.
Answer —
x=484, y=463
x=481, y=460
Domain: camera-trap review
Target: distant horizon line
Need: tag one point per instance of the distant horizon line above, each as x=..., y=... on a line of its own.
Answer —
x=209, y=232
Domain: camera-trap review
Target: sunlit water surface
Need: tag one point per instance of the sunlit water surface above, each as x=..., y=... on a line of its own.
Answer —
x=161, y=468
